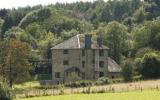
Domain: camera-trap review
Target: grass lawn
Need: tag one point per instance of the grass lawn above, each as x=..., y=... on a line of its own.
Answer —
x=27, y=85
x=136, y=95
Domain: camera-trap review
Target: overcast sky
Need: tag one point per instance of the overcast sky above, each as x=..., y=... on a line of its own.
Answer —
x=23, y=3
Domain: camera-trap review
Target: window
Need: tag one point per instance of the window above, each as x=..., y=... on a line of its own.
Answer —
x=112, y=76
x=101, y=52
x=83, y=64
x=65, y=51
x=101, y=74
x=57, y=75
x=83, y=75
x=101, y=64
x=93, y=61
x=67, y=74
x=83, y=52
x=65, y=62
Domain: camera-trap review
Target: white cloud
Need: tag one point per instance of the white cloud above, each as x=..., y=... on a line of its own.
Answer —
x=23, y=3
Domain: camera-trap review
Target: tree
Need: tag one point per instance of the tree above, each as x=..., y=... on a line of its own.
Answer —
x=3, y=13
x=148, y=35
x=8, y=23
x=14, y=65
x=36, y=31
x=152, y=8
x=1, y=24
x=36, y=16
x=139, y=58
x=120, y=8
x=151, y=65
x=127, y=71
x=116, y=39
x=14, y=31
x=106, y=14
x=140, y=15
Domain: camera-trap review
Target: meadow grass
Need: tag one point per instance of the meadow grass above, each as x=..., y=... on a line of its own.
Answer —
x=134, y=95
x=27, y=85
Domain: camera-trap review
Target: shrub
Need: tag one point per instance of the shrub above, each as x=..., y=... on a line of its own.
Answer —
x=5, y=91
x=44, y=77
x=49, y=86
x=103, y=81
x=83, y=83
x=73, y=77
x=117, y=80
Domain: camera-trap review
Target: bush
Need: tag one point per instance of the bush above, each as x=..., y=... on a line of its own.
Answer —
x=49, y=86
x=102, y=81
x=117, y=80
x=5, y=91
x=44, y=77
x=79, y=84
x=73, y=77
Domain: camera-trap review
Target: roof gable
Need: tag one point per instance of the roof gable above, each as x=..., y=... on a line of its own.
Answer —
x=113, y=66
x=77, y=42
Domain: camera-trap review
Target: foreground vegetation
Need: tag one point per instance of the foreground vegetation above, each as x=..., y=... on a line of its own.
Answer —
x=39, y=91
x=6, y=92
x=136, y=95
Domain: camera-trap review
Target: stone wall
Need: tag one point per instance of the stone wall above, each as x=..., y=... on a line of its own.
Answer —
x=91, y=69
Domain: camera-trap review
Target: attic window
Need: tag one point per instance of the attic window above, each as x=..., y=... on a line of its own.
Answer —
x=65, y=51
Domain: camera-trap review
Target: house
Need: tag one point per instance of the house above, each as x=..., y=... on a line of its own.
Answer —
x=82, y=55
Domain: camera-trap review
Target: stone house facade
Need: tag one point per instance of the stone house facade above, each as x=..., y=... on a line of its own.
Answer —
x=83, y=56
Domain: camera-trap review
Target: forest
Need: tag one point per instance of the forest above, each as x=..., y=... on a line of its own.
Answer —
x=130, y=28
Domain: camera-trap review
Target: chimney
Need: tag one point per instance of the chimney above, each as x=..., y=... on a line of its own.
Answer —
x=100, y=41
x=88, y=41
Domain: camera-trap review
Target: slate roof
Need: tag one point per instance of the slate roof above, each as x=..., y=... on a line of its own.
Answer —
x=77, y=42
x=113, y=66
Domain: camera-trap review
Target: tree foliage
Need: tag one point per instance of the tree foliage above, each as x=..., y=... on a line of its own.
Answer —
x=150, y=65
x=116, y=39
x=127, y=71
x=14, y=65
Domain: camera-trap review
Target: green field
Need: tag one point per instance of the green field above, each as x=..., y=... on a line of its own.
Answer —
x=138, y=95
